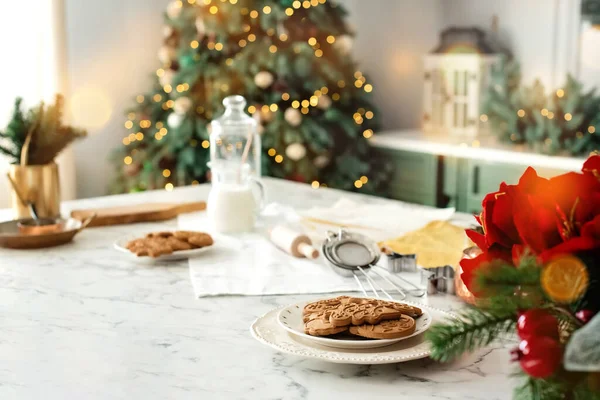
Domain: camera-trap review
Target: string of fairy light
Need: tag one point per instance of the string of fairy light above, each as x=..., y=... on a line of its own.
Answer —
x=303, y=105
x=521, y=113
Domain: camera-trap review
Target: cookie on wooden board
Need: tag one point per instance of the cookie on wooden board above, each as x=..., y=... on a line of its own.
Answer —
x=389, y=329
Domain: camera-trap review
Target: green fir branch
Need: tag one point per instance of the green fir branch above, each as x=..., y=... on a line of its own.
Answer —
x=474, y=329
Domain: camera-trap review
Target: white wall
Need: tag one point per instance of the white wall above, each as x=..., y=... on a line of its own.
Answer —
x=111, y=50
x=541, y=34
x=391, y=38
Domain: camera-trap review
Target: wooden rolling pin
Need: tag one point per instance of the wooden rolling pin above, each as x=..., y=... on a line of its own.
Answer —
x=292, y=242
x=137, y=213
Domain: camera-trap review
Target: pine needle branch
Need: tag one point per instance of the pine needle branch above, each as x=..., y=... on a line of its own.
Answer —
x=474, y=329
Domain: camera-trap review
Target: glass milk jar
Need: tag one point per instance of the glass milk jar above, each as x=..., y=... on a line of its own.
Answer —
x=234, y=137
x=235, y=197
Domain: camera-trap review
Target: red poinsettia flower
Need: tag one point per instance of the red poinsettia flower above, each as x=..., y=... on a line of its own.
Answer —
x=540, y=217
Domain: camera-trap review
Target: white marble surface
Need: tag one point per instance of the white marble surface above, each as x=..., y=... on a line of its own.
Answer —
x=83, y=322
x=481, y=148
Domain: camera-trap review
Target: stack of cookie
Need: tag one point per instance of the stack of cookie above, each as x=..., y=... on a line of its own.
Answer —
x=156, y=244
x=369, y=318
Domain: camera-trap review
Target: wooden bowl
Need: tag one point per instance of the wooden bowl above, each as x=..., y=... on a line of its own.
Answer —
x=11, y=236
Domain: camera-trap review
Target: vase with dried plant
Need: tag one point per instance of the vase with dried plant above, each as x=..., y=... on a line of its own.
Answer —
x=32, y=141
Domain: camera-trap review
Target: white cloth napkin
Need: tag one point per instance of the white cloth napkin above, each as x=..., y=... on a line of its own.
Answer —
x=249, y=264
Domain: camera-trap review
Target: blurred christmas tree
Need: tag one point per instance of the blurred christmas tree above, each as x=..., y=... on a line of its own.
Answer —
x=289, y=59
x=564, y=121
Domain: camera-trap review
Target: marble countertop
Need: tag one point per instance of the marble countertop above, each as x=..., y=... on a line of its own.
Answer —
x=481, y=148
x=80, y=321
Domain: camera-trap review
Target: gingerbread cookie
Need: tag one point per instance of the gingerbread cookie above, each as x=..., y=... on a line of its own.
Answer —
x=389, y=329
x=363, y=317
x=333, y=304
x=156, y=244
x=322, y=327
x=200, y=239
x=358, y=314
x=411, y=311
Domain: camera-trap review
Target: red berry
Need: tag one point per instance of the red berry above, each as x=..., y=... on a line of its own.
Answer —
x=540, y=357
x=536, y=323
x=585, y=315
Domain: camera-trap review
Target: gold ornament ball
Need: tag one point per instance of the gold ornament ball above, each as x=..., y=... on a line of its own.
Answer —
x=295, y=151
x=321, y=161
x=167, y=77
x=167, y=31
x=344, y=44
x=174, y=9
x=182, y=105
x=174, y=120
x=263, y=79
x=324, y=102
x=200, y=27
x=292, y=116
x=166, y=54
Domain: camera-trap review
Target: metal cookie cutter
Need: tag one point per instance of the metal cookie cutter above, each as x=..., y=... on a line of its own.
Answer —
x=401, y=262
x=440, y=279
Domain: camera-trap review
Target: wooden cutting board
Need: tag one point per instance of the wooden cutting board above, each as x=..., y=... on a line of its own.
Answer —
x=137, y=213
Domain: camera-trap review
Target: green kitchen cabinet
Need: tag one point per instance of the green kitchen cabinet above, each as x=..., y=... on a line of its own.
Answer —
x=443, y=181
x=414, y=178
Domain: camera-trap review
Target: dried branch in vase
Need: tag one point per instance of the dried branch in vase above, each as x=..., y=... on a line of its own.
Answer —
x=48, y=135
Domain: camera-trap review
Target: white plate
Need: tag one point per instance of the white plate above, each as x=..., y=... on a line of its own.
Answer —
x=176, y=255
x=266, y=329
x=290, y=319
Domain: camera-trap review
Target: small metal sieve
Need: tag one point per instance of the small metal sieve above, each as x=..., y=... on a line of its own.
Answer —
x=352, y=254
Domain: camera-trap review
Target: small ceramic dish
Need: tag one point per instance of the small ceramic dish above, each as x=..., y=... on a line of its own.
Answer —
x=290, y=319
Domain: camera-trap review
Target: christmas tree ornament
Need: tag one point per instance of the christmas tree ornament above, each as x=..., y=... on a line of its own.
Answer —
x=167, y=77
x=166, y=54
x=174, y=120
x=167, y=31
x=263, y=79
x=540, y=357
x=565, y=279
x=295, y=151
x=174, y=9
x=324, y=102
x=292, y=116
x=321, y=161
x=200, y=27
x=182, y=105
x=535, y=323
x=344, y=44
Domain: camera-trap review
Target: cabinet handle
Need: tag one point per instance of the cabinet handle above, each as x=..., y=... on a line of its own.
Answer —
x=476, y=180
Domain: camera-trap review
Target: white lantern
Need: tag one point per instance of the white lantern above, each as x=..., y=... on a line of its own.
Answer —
x=456, y=76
